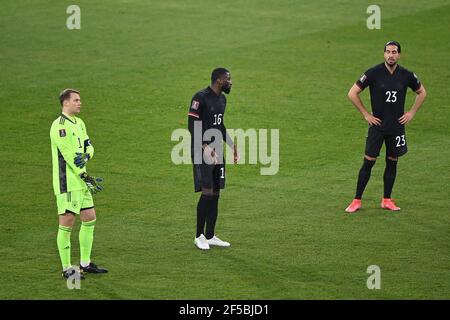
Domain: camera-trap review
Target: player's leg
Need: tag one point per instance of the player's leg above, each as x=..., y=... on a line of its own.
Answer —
x=211, y=237
x=86, y=236
x=211, y=219
x=364, y=175
x=363, y=178
x=374, y=141
x=211, y=216
x=66, y=219
x=390, y=172
x=203, y=208
x=203, y=182
x=395, y=147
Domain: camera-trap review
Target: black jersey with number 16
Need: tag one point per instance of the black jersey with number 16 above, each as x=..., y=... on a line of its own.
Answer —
x=388, y=93
x=209, y=107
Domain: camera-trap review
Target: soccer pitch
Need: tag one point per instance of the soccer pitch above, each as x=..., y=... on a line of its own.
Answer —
x=137, y=64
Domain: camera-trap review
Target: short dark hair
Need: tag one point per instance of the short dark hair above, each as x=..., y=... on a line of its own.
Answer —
x=393, y=43
x=217, y=73
x=65, y=94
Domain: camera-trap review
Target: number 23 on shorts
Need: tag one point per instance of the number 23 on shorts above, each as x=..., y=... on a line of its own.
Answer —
x=400, y=141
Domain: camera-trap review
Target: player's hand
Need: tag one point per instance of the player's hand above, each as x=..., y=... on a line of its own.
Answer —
x=373, y=121
x=236, y=154
x=407, y=117
x=81, y=159
x=209, y=155
x=93, y=183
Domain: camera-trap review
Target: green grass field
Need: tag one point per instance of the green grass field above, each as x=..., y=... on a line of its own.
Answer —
x=138, y=63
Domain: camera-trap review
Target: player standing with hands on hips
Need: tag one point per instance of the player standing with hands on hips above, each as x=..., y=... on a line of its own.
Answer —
x=73, y=187
x=388, y=83
x=206, y=115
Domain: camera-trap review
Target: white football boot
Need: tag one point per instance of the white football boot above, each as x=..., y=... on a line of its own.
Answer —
x=214, y=241
x=201, y=242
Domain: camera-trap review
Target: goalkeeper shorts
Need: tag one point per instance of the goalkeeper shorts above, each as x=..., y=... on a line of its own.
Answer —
x=74, y=201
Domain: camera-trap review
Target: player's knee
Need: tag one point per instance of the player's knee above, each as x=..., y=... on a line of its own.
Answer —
x=67, y=219
x=370, y=158
x=391, y=163
x=367, y=165
x=207, y=192
x=87, y=215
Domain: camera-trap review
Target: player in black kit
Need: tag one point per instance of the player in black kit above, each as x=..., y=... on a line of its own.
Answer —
x=388, y=83
x=206, y=125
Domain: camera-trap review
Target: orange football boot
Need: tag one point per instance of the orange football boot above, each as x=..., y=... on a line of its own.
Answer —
x=389, y=204
x=354, y=206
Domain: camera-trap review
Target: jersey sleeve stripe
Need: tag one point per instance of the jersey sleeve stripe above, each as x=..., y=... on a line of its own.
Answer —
x=193, y=114
x=359, y=85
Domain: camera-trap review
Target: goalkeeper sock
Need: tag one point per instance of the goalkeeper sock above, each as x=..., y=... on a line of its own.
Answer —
x=389, y=177
x=86, y=237
x=203, y=207
x=363, y=177
x=63, y=242
x=211, y=217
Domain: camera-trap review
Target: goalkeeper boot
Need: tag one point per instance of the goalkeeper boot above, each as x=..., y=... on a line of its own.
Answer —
x=92, y=268
x=354, y=206
x=389, y=204
x=214, y=241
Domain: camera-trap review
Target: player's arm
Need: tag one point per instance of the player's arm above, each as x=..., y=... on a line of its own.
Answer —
x=354, y=97
x=81, y=159
x=226, y=137
x=420, y=98
x=88, y=148
x=192, y=120
x=194, y=117
x=61, y=137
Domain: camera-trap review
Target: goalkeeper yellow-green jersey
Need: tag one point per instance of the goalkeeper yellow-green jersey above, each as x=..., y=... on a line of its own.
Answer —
x=68, y=136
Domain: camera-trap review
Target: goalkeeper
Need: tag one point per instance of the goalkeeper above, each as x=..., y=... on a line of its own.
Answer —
x=71, y=150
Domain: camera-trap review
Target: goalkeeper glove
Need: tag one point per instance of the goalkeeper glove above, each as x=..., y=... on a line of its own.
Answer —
x=81, y=159
x=93, y=183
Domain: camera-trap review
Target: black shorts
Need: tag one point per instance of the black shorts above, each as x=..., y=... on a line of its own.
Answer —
x=396, y=145
x=209, y=176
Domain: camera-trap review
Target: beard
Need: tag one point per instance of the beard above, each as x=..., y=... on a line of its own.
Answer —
x=226, y=89
x=391, y=63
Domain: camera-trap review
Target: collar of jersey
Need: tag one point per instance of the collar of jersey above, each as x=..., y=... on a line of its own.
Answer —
x=387, y=70
x=71, y=119
x=212, y=91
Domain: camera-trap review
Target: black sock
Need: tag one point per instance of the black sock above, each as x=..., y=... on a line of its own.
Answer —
x=211, y=218
x=363, y=177
x=203, y=207
x=389, y=177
